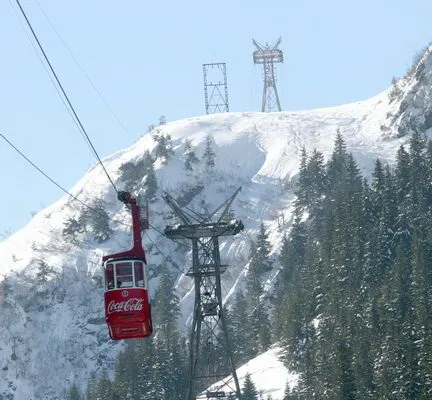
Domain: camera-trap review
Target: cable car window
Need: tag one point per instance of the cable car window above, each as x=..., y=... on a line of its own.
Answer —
x=109, y=277
x=124, y=276
x=139, y=274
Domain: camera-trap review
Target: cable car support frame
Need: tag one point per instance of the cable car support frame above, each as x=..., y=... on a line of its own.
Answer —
x=209, y=320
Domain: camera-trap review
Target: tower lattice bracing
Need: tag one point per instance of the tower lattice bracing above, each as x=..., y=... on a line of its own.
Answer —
x=268, y=55
x=211, y=361
x=215, y=88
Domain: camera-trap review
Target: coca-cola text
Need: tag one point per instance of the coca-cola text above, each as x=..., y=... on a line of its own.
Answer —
x=132, y=304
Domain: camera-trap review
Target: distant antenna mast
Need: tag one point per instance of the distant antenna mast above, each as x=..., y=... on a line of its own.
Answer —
x=268, y=55
x=215, y=88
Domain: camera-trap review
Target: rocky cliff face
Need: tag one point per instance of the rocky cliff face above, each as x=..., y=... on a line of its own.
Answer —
x=410, y=98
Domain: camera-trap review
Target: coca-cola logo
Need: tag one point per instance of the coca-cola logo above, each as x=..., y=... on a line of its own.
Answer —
x=132, y=304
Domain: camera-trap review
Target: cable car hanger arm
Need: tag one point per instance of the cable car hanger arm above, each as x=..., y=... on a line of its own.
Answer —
x=137, y=250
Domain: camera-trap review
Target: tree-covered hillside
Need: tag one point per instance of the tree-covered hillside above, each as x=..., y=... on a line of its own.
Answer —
x=354, y=299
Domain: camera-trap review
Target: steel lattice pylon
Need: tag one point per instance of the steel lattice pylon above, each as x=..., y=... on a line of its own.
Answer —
x=268, y=56
x=211, y=358
x=215, y=91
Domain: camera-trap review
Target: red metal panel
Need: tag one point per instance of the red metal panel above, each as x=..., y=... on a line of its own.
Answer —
x=127, y=313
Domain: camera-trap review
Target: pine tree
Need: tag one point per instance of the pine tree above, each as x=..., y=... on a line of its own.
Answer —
x=131, y=174
x=166, y=302
x=6, y=290
x=318, y=181
x=311, y=184
x=293, y=261
x=303, y=184
x=163, y=148
x=336, y=167
x=260, y=262
x=72, y=229
x=254, y=286
x=418, y=168
x=105, y=389
x=293, y=253
x=427, y=190
x=133, y=372
x=378, y=184
x=290, y=394
x=98, y=221
x=209, y=155
x=168, y=364
x=402, y=174
x=249, y=391
x=241, y=330
x=74, y=394
x=191, y=157
x=151, y=183
x=44, y=272
x=92, y=390
x=347, y=379
x=261, y=327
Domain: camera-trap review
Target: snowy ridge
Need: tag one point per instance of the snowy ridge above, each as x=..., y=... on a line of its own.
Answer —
x=46, y=345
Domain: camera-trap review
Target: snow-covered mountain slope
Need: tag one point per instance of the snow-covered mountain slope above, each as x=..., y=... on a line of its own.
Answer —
x=53, y=335
x=268, y=374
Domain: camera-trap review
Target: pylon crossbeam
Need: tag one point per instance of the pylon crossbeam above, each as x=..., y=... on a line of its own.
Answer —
x=196, y=231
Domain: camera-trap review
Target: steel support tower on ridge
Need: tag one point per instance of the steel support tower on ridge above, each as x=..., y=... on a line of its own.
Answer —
x=211, y=360
x=215, y=88
x=268, y=55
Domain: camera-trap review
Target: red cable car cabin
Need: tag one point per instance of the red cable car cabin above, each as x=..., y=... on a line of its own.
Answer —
x=127, y=306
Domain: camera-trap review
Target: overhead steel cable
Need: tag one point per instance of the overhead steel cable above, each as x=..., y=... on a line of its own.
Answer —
x=167, y=258
x=43, y=64
x=175, y=241
x=36, y=167
x=47, y=176
x=39, y=258
x=71, y=107
x=50, y=75
x=98, y=92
